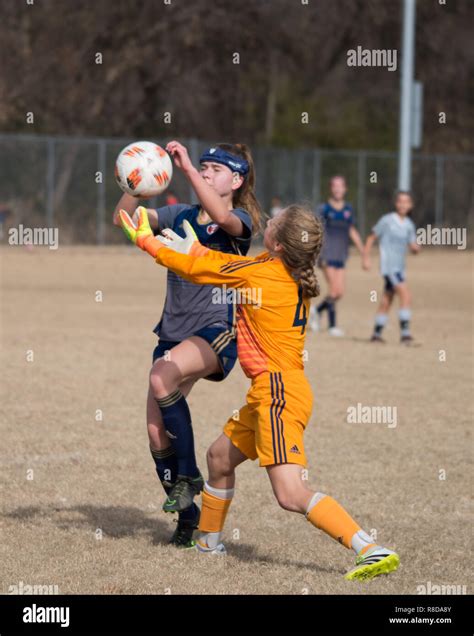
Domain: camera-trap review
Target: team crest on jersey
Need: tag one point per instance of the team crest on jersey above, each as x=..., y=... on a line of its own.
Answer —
x=347, y=214
x=212, y=228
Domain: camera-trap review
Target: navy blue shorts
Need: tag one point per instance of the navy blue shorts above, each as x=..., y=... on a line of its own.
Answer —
x=331, y=263
x=222, y=340
x=392, y=280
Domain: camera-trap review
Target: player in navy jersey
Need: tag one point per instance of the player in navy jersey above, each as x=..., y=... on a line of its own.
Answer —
x=338, y=218
x=197, y=335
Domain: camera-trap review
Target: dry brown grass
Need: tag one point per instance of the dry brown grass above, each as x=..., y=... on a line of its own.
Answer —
x=91, y=475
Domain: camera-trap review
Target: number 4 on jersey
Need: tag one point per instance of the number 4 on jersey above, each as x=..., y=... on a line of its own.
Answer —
x=300, y=314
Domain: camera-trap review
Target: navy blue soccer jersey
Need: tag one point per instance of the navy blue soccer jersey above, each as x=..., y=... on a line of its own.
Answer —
x=190, y=307
x=337, y=224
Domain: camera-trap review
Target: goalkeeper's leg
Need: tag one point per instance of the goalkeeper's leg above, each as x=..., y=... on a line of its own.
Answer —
x=325, y=513
x=222, y=459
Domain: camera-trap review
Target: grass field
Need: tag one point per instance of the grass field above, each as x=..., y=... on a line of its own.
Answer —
x=81, y=504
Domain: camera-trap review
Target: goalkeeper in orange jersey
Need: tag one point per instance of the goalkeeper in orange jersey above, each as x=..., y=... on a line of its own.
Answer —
x=270, y=340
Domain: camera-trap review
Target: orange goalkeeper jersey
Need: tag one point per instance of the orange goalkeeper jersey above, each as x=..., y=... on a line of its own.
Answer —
x=271, y=310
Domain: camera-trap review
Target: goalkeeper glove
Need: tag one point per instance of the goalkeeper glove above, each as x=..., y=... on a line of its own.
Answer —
x=141, y=234
x=176, y=242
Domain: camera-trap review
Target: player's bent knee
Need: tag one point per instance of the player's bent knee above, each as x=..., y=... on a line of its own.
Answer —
x=160, y=380
x=287, y=501
x=218, y=462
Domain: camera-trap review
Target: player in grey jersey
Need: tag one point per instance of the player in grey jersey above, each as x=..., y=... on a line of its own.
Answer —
x=395, y=232
x=197, y=336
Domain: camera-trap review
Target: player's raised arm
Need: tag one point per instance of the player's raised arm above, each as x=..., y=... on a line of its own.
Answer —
x=210, y=200
x=129, y=203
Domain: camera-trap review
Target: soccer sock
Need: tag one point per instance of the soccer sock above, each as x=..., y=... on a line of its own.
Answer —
x=380, y=322
x=404, y=316
x=322, y=306
x=166, y=464
x=361, y=542
x=177, y=421
x=331, y=312
x=326, y=514
x=215, y=504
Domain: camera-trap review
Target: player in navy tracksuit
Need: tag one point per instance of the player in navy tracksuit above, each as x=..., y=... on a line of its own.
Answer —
x=338, y=219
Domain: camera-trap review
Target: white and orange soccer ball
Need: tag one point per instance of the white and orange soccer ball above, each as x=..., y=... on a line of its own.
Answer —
x=143, y=169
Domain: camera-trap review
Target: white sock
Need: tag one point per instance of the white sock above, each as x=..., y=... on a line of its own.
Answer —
x=313, y=501
x=212, y=539
x=360, y=540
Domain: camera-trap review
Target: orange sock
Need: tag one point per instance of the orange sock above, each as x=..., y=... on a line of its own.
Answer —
x=213, y=513
x=329, y=516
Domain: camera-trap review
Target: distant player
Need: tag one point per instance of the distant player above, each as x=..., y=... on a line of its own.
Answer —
x=338, y=218
x=395, y=232
x=4, y=214
x=197, y=337
x=276, y=207
x=271, y=335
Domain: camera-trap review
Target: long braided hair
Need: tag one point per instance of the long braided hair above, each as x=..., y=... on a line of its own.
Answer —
x=300, y=234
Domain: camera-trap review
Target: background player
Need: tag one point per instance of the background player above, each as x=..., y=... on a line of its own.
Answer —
x=395, y=232
x=197, y=337
x=271, y=344
x=338, y=218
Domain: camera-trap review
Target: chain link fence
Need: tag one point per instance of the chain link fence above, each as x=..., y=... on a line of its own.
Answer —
x=69, y=183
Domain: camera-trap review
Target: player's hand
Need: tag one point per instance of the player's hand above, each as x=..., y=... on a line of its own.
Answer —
x=366, y=263
x=140, y=232
x=176, y=242
x=180, y=156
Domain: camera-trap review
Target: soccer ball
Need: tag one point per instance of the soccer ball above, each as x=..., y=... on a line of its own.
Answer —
x=143, y=169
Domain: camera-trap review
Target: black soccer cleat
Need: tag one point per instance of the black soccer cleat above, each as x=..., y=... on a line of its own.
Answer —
x=183, y=535
x=182, y=493
x=376, y=338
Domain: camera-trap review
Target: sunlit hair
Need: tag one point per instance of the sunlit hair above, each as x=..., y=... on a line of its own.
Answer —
x=244, y=197
x=300, y=234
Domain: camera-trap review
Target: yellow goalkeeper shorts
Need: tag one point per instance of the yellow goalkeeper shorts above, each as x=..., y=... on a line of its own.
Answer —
x=271, y=424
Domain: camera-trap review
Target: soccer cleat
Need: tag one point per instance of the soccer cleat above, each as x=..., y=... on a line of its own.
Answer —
x=335, y=332
x=407, y=339
x=183, y=492
x=219, y=550
x=375, y=561
x=183, y=535
x=313, y=319
x=376, y=338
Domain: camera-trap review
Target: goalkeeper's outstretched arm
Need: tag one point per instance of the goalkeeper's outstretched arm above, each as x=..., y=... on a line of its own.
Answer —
x=186, y=256
x=208, y=267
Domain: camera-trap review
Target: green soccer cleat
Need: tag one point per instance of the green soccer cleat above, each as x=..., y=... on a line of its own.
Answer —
x=182, y=493
x=375, y=561
x=183, y=535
